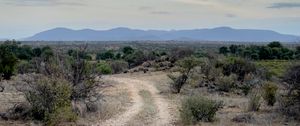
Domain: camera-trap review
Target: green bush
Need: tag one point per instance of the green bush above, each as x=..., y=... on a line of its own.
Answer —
x=269, y=95
x=106, y=55
x=8, y=61
x=254, y=102
x=197, y=108
x=104, y=68
x=50, y=100
x=238, y=66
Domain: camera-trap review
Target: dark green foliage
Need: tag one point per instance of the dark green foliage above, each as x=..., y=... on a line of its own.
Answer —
x=197, y=108
x=128, y=50
x=233, y=49
x=107, y=55
x=135, y=59
x=24, y=52
x=273, y=50
x=47, y=53
x=8, y=61
x=37, y=52
x=223, y=50
x=275, y=44
x=270, y=90
x=265, y=53
x=80, y=54
x=238, y=66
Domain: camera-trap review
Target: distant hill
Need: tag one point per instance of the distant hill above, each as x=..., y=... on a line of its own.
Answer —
x=126, y=34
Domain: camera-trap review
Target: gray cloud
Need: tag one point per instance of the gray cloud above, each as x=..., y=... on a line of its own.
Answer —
x=284, y=5
x=161, y=12
x=41, y=3
x=145, y=8
x=153, y=10
x=230, y=15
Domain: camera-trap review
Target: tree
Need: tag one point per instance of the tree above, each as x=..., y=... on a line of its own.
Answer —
x=37, y=52
x=135, y=59
x=265, y=52
x=233, y=49
x=275, y=44
x=179, y=53
x=8, y=61
x=106, y=55
x=47, y=53
x=128, y=50
x=223, y=50
x=186, y=64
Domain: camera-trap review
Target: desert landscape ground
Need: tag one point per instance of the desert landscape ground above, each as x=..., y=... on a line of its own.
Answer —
x=150, y=83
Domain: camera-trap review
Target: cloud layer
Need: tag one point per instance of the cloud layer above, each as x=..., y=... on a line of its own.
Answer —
x=285, y=5
x=21, y=18
x=41, y=3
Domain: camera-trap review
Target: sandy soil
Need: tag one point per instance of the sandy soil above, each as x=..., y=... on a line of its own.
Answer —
x=162, y=118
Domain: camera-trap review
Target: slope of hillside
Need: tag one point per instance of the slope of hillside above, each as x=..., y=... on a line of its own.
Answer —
x=126, y=34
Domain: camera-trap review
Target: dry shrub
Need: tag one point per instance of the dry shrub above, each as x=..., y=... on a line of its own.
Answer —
x=254, y=102
x=290, y=102
x=118, y=66
x=197, y=108
x=177, y=83
x=269, y=94
x=226, y=83
x=50, y=100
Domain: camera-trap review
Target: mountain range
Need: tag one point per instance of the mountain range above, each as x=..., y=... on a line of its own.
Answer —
x=127, y=34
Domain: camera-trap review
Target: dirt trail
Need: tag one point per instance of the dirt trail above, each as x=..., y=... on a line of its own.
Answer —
x=134, y=85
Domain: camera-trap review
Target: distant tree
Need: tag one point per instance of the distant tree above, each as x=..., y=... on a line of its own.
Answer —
x=223, y=50
x=128, y=50
x=135, y=59
x=179, y=53
x=276, y=53
x=265, y=52
x=37, y=52
x=275, y=44
x=8, y=61
x=75, y=53
x=186, y=65
x=298, y=50
x=47, y=53
x=118, y=56
x=106, y=55
x=233, y=49
x=24, y=52
x=238, y=66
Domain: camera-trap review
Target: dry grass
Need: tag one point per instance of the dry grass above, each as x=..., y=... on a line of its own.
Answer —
x=235, y=105
x=116, y=100
x=146, y=116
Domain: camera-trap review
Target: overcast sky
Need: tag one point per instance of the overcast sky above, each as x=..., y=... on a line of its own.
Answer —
x=23, y=18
